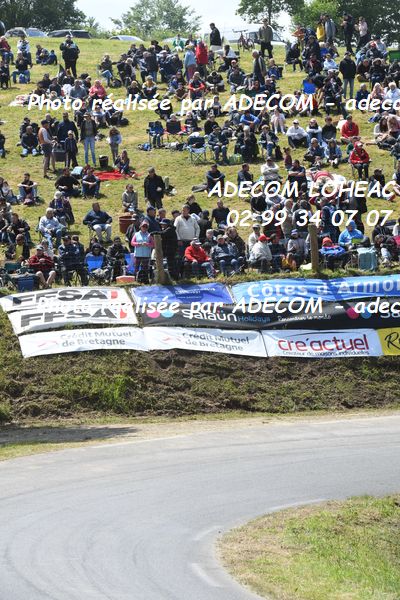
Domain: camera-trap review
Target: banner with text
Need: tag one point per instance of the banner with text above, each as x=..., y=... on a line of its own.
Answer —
x=72, y=313
x=248, y=343
x=322, y=344
x=58, y=296
x=81, y=340
x=329, y=290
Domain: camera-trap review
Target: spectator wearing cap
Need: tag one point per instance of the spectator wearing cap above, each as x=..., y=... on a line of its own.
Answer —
x=100, y=221
x=260, y=255
x=43, y=266
x=254, y=236
x=198, y=259
x=154, y=188
x=143, y=244
x=295, y=249
x=152, y=221
x=225, y=255
x=297, y=136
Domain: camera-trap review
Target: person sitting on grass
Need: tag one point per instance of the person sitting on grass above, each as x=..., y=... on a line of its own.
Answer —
x=43, y=267
x=29, y=142
x=68, y=184
x=90, y=184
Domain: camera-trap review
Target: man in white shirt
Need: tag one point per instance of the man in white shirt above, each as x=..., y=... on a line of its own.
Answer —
x=187, y=228
x=50, y=226
x=392, y=93
x=329, y=63
x=297, y=136
x=260, y=255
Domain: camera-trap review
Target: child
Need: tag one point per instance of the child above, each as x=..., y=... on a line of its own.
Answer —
x=71, y=150
x=288, y=161
x=157, y=132
x=114, y=141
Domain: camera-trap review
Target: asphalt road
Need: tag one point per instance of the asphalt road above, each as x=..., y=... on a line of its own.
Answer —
x=139, y=520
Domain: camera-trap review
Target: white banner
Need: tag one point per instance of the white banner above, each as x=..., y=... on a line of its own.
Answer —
x=322, y=344
x=52, y=316
x=245, y=343
x=80, y=340
x=68, y=295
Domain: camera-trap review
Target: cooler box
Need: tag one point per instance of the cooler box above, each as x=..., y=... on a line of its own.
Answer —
x=59, y=153
x=103, y=162
x=24, y=283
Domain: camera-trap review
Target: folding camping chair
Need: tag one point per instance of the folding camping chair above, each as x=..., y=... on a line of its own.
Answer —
x=197, y=147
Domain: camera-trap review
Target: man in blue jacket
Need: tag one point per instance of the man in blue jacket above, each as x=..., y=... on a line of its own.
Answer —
x=99, y=221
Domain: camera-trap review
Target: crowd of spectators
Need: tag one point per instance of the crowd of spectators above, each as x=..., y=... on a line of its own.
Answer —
x=195, y=242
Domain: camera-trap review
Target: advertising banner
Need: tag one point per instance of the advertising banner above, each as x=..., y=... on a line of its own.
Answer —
x=245, y=343
x=53, y=316
x=68, y=295
x=390, y=341
x=322, y=344
x=183, y=294
x=329, y=290
x=81, y=340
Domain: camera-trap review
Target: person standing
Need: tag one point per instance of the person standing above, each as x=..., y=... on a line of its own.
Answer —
x=348, y=70
x=259, y=68
x=46, y=143
x=215, y=38
x=88, y=135
x=266, y=34
x=348, y=31
x=70, y=53
x=330, y=30
x=363, y=33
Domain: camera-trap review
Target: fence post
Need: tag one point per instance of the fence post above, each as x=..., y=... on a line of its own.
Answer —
x=162, y=276
x=312, y=230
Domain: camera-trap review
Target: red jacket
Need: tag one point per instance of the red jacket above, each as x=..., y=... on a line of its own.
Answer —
x=5, y=45
x=347, y=132
x=358, y=156
x=196, y=253
x=201, y=54
x=45, y=267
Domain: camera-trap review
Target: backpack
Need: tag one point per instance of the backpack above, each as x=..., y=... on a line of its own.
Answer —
x=146, y=147
x=124, y=122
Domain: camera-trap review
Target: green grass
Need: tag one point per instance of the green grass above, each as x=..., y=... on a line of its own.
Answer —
x=338, y=551
x=175, y=164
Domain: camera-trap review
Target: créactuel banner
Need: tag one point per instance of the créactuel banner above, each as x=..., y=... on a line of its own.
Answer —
x=322, y=344
x=390, y=341
x=329, y=290
x=52, y=316
x=183, y=294
x=57, y=296
x=245, y=343
x=81, y=340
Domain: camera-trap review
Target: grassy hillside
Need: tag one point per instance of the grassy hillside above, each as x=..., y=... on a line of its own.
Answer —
x=183, y=175
x=173, y=382
x=177, y=383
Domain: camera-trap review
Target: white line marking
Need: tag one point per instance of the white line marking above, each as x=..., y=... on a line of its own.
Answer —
x=199, y=571
x=206, y=532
